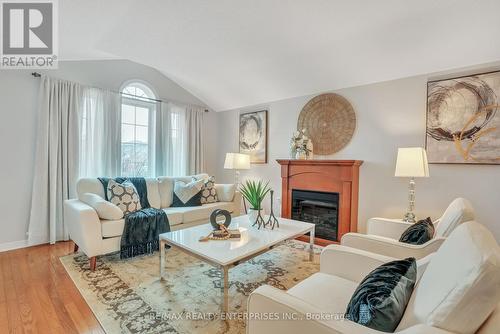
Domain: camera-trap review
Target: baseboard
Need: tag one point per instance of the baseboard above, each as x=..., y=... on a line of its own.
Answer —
x=7, y=246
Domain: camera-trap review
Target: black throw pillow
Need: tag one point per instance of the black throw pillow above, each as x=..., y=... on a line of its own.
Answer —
x=193, y=201
x=380, y=299
x=418, y=233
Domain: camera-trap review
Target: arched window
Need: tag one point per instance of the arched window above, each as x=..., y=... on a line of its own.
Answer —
x=137, y=134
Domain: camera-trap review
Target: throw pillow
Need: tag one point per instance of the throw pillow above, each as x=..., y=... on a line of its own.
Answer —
x=187, y=194
x=208, y=192
x=225, y=192
x=380, y=299
x=418, y=233
x=124, y=195
x=104, y=209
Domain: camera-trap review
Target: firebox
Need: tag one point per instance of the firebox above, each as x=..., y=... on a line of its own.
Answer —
x=319, y=208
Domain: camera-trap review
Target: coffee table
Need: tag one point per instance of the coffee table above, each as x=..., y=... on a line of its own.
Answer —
x=228, y=253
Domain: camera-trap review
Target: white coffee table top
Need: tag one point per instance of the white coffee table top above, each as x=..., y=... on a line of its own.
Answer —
x=226, y=252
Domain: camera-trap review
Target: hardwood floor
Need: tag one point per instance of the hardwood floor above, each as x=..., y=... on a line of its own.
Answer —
x=38, y=296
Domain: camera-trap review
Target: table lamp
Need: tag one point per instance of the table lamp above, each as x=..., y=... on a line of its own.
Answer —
x=237, y=161
x=412, y=163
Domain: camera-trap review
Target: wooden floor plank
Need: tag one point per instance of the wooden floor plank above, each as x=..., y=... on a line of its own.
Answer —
x=14, y=323
x=38, y=296
x=22, y=293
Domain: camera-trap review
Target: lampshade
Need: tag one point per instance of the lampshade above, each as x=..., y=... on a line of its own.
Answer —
x=237, y=161
x=412, y=162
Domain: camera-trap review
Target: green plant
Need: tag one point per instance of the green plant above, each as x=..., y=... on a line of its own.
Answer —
x=255, y=192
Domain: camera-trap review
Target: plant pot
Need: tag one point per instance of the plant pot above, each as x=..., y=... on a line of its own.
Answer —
x=252, y=215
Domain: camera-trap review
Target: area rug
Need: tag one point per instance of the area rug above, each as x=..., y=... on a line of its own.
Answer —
x=127, y=296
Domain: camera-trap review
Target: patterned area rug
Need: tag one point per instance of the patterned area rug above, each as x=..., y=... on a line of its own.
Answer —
x=127, y=296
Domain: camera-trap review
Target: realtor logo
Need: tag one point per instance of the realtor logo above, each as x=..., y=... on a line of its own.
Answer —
x=29, y=34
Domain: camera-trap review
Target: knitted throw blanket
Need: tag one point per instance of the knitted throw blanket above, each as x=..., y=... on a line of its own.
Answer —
x=143, y=227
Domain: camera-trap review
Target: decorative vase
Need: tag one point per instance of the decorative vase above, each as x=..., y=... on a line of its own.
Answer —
x=310, y=149
x=293, y=152
x=300, y=155
x=252, y=215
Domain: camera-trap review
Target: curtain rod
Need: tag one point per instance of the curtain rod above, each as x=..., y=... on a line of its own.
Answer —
x=38, y=75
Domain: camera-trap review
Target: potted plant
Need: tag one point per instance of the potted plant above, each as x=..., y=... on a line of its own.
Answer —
x=254, y=192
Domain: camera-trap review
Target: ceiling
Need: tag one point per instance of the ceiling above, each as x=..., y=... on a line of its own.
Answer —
x=235, y=53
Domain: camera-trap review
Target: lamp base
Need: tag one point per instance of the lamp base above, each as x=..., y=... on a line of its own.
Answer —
x=409, y=217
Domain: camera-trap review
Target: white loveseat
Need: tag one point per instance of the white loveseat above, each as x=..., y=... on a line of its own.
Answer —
x=95, y=236
x=458, y=291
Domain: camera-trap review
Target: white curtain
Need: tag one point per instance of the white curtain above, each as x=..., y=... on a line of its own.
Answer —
x=56, y=160
x=179, y=139
x=100, y=133
x=194, y=139
x=171, y=155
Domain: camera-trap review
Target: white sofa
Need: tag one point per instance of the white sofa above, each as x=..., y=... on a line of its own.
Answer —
x=383, y=234
x=95, y=236
x=458, y=291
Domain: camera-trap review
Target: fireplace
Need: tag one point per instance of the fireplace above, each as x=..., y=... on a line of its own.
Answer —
x=323, y=192
x=319, y=208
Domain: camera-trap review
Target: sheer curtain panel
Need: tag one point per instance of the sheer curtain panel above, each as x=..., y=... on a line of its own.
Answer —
x=100, y=133
x=171, y=154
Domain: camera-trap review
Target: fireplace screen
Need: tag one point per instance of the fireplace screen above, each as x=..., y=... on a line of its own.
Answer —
x=319, y=208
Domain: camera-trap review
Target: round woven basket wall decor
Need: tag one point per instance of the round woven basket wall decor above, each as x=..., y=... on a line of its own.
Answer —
x=329, y=120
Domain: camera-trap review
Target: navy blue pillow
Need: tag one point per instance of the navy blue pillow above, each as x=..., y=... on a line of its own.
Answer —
x=418, y=233
x=193, y=201
x=380, y=299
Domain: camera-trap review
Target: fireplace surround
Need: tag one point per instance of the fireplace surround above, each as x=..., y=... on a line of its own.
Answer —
x=326, y=194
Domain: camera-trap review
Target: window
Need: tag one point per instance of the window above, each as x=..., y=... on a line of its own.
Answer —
x=137, y=130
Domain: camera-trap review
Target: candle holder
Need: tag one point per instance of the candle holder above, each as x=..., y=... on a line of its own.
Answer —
x=272, y=220
x=260, y=221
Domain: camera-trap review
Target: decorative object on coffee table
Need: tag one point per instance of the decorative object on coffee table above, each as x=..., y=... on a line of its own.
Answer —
x=301, y=147
x=254, y=192
x=253, y=136
x=217, y=213
x=463, y=119
x=330, y=121
x=272, y=220
x=221, y=231
x=412, y=163
x=259, y=221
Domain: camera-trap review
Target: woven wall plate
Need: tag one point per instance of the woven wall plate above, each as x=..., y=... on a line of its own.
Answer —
x=330, y=121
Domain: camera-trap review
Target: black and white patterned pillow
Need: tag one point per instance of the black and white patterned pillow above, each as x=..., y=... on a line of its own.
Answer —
x=187, y=194
x=208, y=192
x=124, y=195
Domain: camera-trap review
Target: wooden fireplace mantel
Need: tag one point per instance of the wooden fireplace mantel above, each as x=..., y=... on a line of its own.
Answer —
x=338, y=176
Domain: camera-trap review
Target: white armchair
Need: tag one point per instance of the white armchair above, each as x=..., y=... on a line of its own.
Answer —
x=461, y=305
x=383, y=234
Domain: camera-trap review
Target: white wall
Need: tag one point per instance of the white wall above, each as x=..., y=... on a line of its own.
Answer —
x=389, y=115
x=18, y=100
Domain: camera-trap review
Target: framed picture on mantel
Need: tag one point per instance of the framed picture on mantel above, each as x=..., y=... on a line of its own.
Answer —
x=253, y=136
x=463, y=120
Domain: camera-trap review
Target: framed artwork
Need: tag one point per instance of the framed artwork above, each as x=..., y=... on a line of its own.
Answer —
x=463, y=120
x=253, y=136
